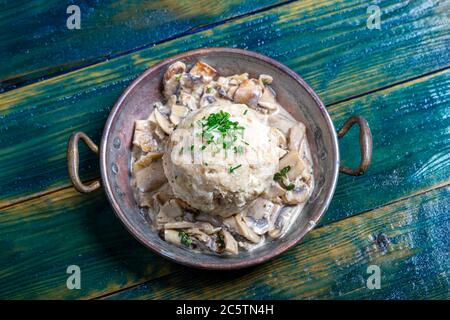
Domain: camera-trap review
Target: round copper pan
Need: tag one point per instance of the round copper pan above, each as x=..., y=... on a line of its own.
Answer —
x=293, y=93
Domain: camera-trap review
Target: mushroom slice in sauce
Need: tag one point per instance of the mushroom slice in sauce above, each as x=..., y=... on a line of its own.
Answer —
x=280, y=137
x=296, y=136
x=265, y=79
x=207, y=227
x=245, y=231
x=151, y=177
x=275, y=193
x=296, y=164
x=257, y=215
x=249, y=93
x=204, y=70
x=171, y=79
x=296, y=195
x=172, y=209
x=267, y=100
x=143, y=136
x=179, y=225
x=172, y=236
x=199, y=235
x=230, y=244
x=163, y=122
x=146, y=159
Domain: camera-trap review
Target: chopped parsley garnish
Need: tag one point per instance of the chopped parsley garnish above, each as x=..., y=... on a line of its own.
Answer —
x=203, y=147
x=209, y=90
x=238, y=149
x=220, y=242
x=219, y=130
x=234, y=168
x=185, y=238
x=192, y=147
x=279, y=176
x=290, y=187
x=245, y=112
x=178, y=77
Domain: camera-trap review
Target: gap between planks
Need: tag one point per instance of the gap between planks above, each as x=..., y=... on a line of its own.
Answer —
x=20, y=200
x=181, y=271
x=190, y=31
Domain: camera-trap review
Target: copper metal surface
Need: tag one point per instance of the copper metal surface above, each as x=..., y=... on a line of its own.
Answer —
x=293, y=93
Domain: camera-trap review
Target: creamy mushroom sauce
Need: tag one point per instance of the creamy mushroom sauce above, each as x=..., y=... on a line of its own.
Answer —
x=220, y=166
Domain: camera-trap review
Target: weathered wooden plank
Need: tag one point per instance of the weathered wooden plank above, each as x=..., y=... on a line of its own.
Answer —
x=40, y=238
x=36, y=42
x=408, y=241
x=411, y=144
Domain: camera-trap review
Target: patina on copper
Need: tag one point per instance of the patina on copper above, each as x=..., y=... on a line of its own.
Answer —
x=293, y=93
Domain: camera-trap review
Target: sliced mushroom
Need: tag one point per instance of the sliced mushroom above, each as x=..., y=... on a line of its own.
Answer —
x=238, y=78
x=204, y=70
x=171, y=79
x=274, y=193
x=164, y=194
x=249, y=93
x=206, y=100
x=296, y=136
x=245, y=231
x=178, y=113
x=279, y=137
x=230, y=243
x=143, y=136
x=265, y=79
x=172, y=209
x=175, y=119
x=179, y=225
x=163, y=122
x=172, y=236
x=189, y=101
x=198, y=234
x=207, y=227
x=151, y=177
x=293, y=160
x=145, y=199
x=280, y=222
x=267, y=100
x=165, y=109
x=296, y=196
x=205, y=217
x=257, y=215
x=160, y=133
x=146, y=159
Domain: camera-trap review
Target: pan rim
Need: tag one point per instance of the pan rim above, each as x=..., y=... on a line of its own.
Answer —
x=229, y=265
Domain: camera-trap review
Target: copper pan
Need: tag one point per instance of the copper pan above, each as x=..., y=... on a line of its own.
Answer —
x=293, y=93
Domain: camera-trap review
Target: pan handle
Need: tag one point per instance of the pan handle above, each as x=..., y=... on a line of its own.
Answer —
x=73, y=162
x=365, y=142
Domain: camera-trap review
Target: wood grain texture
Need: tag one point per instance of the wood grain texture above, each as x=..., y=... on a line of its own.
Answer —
x=38, y=43
x=411, y=144
x=86, y=225
x=408, y=240
x=40, y=238
x=331, y=48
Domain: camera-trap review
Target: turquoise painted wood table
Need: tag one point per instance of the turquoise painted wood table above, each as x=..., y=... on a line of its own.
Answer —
x=388, y=61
